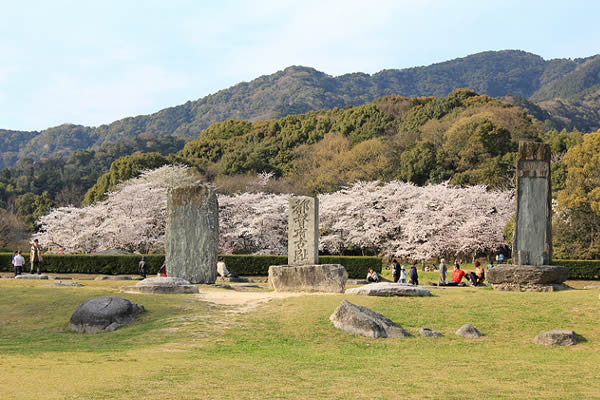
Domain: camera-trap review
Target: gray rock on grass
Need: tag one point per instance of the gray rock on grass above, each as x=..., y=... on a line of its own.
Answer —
x=31, y=276
x=61, y=283
x=390, y=289
x=556, y=337
x=429, y=332
x=360, y=320
x=112, y=278
x=104, y=314
x=161, y=285
x=468, y=331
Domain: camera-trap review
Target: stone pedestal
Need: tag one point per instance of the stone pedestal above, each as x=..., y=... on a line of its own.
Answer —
x=161, y=285
x=329, y=278
x=192, y=235
x=528, y=278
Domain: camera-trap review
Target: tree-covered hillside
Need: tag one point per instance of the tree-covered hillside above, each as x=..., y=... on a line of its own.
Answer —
x=567, y=92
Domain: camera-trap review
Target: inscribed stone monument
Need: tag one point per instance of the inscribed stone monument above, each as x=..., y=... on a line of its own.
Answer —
x=192, y=233
x=303, y=231
x=532, y=239
x=303, y=272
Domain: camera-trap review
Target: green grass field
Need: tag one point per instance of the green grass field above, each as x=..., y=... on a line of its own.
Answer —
x=185, y=348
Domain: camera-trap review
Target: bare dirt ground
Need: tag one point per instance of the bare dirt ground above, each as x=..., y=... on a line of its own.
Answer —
x=242, y=301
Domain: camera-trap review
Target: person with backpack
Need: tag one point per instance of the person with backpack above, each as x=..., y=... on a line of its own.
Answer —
x=413, y=274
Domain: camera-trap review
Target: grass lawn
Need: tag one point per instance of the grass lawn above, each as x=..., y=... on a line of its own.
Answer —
x=185, y=348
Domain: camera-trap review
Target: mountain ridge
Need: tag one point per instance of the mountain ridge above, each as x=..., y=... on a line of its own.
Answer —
x=299, y=89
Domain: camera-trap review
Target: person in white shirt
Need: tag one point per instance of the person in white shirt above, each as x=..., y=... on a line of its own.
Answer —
x=372, y=276
x=18, y=262
x=222, y=268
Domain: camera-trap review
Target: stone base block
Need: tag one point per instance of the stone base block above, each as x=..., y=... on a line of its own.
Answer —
x=330, y=278
x=514, y=287
x=161, y=285
x=390, y=289
x=31, y=276
x=524, y=275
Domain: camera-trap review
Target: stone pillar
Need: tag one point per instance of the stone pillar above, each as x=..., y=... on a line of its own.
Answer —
x=532, y=240
x=303, y=231
x=192, y=233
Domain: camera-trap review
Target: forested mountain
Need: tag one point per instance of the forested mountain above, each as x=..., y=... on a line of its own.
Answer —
x=562, y=93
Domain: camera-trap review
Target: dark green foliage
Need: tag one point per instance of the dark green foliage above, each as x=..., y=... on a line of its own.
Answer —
x=249, y=265
x=89, y=263
x=244, y=265
x=581, y=269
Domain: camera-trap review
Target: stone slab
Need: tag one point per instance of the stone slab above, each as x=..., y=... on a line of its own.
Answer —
x=192, y=234
x=29, y=276
x=161, y=285
x=66, y=284
x=527, y=274
x=113, y=278
x=363, y=321
x=532, y=239
x=390, y=289
x=532, y=287
x=330, y=278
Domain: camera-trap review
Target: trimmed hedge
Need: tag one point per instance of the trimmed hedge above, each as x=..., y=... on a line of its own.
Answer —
x=89, y=263
x=245, y=265
x=581, y=269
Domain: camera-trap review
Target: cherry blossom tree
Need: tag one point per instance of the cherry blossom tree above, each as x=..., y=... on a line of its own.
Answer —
x=395, y=218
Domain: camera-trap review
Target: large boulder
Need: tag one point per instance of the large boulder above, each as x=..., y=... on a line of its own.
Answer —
x=468, y=331
x=360, y=320
x=390, y=289
x=308, y=278
x=527, y=274
x=161, y=285
x=104, y=314
x=556, y=337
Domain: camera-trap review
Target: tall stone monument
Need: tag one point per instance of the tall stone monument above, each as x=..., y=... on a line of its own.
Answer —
x=192, y=233
x=532, y=238
x=303, y=231
x=303, y=272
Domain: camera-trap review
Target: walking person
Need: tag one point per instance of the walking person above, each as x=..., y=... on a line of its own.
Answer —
x=35, y=257
x=142, y=267
x=443, y=271
x=18, y=262
x=402, y=274
x=413, y=274
x=395, y=270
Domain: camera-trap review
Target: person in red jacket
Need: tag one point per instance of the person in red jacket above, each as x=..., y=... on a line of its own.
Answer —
x=457, y=276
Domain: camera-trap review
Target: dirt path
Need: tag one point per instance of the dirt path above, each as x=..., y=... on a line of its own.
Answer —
x=244, y=301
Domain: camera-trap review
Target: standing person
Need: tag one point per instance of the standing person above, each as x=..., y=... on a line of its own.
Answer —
x=413, y=274
x=18, y=262
x=35, y=257
x=142, y=267
x=396, y=270
x=443, y=271
x=402, y=274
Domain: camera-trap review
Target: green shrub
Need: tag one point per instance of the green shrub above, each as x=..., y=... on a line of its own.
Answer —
x=581, y=269
x=249, y=265
x=89, y=263
x=245, y=265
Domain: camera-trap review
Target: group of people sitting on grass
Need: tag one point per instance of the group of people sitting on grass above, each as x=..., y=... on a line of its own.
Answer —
x=399, y=274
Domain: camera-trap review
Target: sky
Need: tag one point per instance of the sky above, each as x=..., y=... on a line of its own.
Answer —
x=94, y=62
